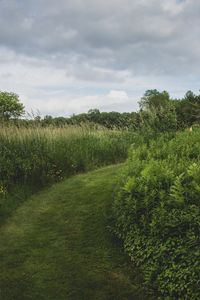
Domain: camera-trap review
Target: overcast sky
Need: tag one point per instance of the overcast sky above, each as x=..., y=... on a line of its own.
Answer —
x=67, y=56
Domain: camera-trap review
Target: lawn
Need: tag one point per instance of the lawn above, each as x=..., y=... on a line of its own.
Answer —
x=57, y=245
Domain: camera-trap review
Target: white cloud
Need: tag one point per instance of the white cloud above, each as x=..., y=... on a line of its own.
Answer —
x=65, y=106
x=174, y=7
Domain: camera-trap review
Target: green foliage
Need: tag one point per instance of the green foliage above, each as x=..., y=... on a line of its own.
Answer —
x=158, y=111
x=157, y=213
x=188, y=110
x=56, y=246
x=37, y=156
x=41, y=155
x=10, y=106
x=154, y=100
x=111, y=120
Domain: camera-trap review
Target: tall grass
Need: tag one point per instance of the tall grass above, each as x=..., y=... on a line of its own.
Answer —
x=31, y=158
x=38, y=156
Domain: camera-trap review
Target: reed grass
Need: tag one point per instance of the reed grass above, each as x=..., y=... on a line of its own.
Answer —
x=38, y=156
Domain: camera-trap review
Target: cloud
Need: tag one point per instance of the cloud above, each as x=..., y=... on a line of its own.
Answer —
x=77, y=49
x=66, y=106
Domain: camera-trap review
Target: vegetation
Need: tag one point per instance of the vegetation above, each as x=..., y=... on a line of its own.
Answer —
x=157, y=213
x=56, y=245
x=10, y=106
x=158, y=112
x=40, y=155
x=35, y=157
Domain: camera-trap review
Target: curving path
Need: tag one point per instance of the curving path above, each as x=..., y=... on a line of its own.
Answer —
x=57, y=246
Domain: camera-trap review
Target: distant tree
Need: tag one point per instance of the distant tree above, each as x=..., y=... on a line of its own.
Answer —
x=93, y=111
x=188, y=109
x=47, y=120
x=93, y=115
x=10, y=106
x=153, y=100
x=78, y=119
x=157, y=111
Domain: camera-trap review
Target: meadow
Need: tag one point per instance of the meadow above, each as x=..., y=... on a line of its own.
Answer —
x=149, y=205
x=57, y=244
x=54, y=237
x=34, y=157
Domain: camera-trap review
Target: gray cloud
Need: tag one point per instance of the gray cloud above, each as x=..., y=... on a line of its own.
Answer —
x=112, y=44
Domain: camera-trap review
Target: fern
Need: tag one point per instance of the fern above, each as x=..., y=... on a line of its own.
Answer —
x=177, y=190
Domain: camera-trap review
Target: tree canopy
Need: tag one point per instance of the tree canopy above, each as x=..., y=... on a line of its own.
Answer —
x=10, y=106
x=153, y=100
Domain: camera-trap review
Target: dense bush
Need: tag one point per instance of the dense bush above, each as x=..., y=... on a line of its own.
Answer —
x=157, y=214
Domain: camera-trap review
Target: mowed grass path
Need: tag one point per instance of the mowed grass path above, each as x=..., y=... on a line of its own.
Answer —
x=57, y=246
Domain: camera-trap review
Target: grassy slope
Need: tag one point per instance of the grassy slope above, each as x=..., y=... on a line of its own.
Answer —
x=56, y=245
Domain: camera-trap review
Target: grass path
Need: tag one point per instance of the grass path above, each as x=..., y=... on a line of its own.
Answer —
x=56, y=245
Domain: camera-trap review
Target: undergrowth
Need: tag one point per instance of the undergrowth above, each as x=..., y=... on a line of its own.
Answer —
x=156, y=214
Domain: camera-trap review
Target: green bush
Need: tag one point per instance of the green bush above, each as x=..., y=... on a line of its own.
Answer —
x=157, y=214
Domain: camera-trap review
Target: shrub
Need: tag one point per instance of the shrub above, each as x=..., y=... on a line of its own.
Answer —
x=157, y=214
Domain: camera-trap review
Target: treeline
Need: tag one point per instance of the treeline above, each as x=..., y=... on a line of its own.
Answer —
x=157, y=111
x=94, y=116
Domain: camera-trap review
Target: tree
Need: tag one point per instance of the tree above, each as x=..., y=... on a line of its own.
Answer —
x=10, y=106
x=153, y=100
x=157, y=111
x=188, y=109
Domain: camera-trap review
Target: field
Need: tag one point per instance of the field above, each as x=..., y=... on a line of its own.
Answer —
x=57, y=245
x=32, y=158
x=100, y=150
x=63, y=233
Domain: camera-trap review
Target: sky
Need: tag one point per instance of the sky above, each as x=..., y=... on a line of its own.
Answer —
x=68, y=56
